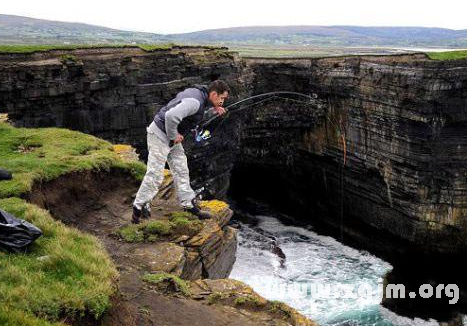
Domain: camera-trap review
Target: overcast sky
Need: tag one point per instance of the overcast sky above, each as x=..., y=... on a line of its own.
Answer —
x=178, y=16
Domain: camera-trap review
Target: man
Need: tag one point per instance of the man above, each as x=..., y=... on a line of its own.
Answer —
x=165, y=136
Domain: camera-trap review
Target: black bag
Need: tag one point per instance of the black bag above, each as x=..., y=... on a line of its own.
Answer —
x=5, y=175
x=16, y=235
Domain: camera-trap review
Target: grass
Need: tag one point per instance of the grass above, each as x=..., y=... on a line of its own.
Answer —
x=34, y=155
x=217, y=296
x=32, y=48
x=249, y=300
x=12, y=317
x=65, y=273
x=448, y=55
x=161, y=278
x=280, y=307
x=180, y=223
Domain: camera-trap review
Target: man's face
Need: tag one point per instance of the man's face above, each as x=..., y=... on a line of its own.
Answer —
x=218, y=99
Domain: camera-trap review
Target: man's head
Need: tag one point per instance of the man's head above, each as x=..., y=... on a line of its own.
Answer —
x=218, y=91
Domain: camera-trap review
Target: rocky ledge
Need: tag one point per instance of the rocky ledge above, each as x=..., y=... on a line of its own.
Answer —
x=172, y=267
x=92, y=266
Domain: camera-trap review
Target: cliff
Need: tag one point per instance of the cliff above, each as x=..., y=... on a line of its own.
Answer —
x=386, y=147
x=109, y=92
x=380, y=148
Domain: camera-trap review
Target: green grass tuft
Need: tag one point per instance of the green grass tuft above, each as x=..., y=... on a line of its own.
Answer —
x=34, y=155
x=250, y=300
x=159, y=278
x=150, y=231
x=280, y=307
x=65, y=273
x=180, y=214
x=217, y=297
x=448, y=55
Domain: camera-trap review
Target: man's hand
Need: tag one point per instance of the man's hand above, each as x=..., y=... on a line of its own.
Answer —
x=178, y=139
x=220, y=110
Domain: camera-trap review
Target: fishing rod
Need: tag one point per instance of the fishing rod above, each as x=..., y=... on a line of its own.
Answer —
x=202, y=133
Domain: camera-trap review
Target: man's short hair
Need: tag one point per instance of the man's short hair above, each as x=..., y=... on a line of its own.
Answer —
x=219, y=86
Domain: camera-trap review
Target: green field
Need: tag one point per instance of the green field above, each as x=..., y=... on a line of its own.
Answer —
x=448, y=55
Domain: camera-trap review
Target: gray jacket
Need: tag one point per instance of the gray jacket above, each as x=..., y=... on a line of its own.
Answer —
x=184, y=112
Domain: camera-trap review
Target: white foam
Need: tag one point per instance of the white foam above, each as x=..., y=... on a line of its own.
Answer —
x=312, y=259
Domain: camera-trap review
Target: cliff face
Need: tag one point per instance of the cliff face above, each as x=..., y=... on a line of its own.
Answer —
x=109, y=92
x=387, y=147
x=381, y=145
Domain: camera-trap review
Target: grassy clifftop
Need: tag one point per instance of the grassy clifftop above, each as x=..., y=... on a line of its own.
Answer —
x=448, y=55
x=66, y=274
x=35, y=155
x=32, y=48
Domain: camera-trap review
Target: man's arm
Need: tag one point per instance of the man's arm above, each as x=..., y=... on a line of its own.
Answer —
x=173, y=117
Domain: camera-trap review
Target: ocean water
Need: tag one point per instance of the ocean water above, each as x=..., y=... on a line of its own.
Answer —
x=327, y=281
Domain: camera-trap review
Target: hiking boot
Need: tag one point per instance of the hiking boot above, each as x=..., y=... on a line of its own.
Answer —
x=135, y=218
x=196, y=210
x=146, y=211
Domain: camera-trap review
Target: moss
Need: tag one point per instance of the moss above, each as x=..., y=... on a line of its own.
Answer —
x=150, y=231
x=67, y=58
x=162, y=278
x=448, y=55
x=65, y=272
x=34, y=155
x=158, y=227
x=122, y=148
x=248, y=300
x=131, y=233
x=180, y=214
x=216, y=297
x=214, y=206
x=280, y=307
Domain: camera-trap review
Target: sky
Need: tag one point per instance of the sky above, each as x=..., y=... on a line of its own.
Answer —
x=180, y=16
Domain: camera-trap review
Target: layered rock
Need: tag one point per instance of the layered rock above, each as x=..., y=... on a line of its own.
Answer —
x=387, y=147
x=109, y=92
x=381, y=146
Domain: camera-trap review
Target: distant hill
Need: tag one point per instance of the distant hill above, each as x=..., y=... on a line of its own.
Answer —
x=331, y=36
x=17, y=29
x=25, y=30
